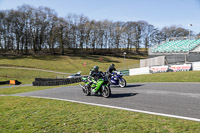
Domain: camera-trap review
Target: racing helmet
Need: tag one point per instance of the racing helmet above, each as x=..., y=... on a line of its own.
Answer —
x=112, y=65
x=96, y=68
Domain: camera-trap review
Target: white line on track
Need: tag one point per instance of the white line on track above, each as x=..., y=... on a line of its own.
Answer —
x=121, y=108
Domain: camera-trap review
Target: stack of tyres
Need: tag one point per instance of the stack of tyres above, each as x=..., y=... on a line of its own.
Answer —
x=55, y=82
x=4, y=82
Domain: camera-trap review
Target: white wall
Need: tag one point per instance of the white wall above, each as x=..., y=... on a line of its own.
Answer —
x=139, y=71
x=145, y=70
x=196, y=66
x=160, y=60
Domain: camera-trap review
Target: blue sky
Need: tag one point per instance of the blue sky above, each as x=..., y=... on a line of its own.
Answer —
x=160, y=13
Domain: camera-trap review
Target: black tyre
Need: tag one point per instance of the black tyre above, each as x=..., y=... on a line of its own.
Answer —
x=122, y=83
x=106, y=91
x=87, y=91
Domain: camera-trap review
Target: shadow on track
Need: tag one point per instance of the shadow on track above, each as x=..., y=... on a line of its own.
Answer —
x=129, y=86
x=121, y=95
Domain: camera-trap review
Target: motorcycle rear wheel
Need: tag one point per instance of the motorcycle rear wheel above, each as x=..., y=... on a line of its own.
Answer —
x=106, y=91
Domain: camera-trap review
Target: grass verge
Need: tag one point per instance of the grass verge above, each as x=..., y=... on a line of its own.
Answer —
x=22, y=114
x=15, y=90
x=25, y=76
x=69, y=64
x=192, y=76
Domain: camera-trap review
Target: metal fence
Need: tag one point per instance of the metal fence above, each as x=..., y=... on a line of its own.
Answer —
x=125, y=72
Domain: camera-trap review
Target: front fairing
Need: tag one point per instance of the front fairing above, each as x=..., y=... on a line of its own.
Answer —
x=116, y=77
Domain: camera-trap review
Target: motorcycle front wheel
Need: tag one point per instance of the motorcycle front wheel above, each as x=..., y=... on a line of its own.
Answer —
x=106, y=91
x=87, y=91
x=122, y=82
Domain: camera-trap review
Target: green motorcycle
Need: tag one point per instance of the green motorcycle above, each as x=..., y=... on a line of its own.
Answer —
x=92, y=86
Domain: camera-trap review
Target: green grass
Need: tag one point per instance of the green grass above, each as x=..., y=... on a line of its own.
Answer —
x=192, y=76
x=21, y=89
x=19, y=114
x=15, y=90
x=69, y=64
x=25, y=76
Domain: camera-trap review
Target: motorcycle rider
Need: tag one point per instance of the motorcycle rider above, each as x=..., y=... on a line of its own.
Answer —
x=110, y=70
x=94, y=73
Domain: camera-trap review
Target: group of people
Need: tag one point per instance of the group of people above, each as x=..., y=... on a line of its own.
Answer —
x=95, y=71
x=96, y=74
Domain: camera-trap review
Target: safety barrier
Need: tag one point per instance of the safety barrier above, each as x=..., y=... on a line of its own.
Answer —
x=12, y=82
x=196, y=66
x=4, y=82
x=54, y=82
x=139, y=71
x=125, y=72
x=171, y=68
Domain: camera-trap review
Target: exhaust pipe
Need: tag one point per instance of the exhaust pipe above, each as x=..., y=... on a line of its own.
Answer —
x=83, y=88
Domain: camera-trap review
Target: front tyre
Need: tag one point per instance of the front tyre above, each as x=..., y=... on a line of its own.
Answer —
x=87, y=91
x=106, y=91
x=122, y=82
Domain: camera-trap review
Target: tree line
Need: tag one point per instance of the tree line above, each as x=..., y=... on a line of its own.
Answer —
x=28, y=28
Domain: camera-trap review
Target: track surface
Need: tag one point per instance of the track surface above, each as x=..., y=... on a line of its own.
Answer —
x=3, y=87
x=182, y=99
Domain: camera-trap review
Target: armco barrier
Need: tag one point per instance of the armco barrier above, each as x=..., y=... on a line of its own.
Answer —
x=54, y=82
x=125, y=72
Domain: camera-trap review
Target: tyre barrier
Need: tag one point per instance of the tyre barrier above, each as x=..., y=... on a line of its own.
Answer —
x=4, y=82
x=11, y=82
x=55, y=82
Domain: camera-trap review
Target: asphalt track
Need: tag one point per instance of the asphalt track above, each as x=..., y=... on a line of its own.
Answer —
x=179, y=99
x=11, y=86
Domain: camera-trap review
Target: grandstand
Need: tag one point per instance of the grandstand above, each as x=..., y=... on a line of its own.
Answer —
x=176, y=46
x=177, y=51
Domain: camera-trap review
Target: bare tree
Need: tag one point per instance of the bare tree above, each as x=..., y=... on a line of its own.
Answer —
x=38, y=29
x=173, y=31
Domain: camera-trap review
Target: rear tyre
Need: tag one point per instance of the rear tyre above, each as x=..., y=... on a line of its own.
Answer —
x=122, y=82
x=106, y=91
